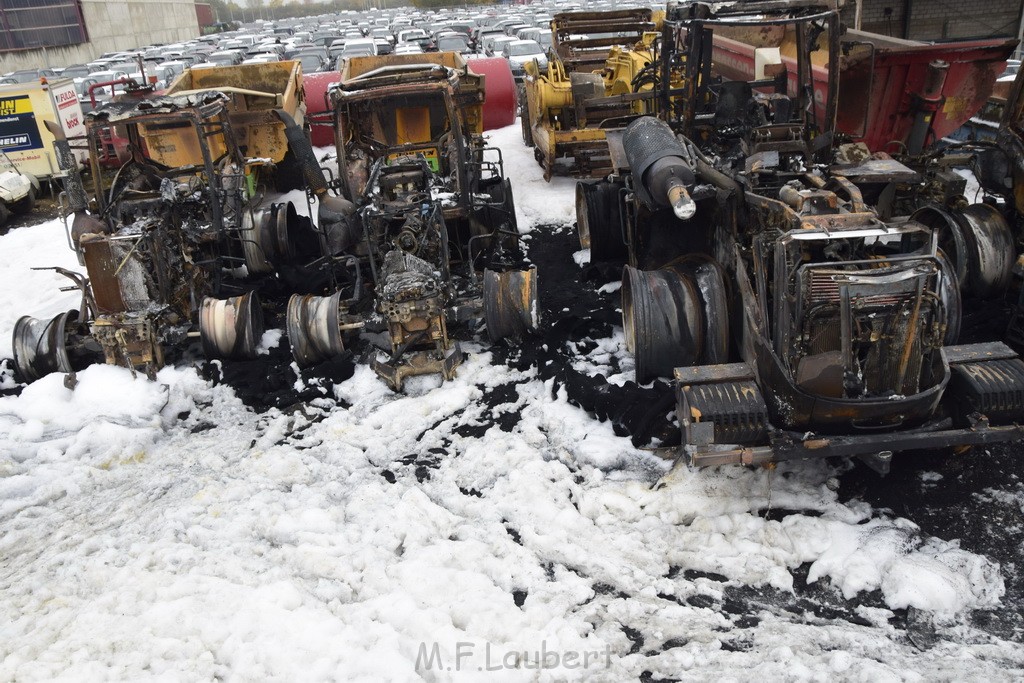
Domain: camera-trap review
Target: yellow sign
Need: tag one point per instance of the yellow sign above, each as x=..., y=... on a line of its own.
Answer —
x=15, y=105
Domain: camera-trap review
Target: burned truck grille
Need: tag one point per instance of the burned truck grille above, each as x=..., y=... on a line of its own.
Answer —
x=823, y=287
x=866, y=327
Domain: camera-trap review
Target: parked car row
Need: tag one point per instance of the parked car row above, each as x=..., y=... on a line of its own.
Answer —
x=321, y=43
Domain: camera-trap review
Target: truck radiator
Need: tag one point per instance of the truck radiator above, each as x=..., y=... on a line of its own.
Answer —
x=865, y=331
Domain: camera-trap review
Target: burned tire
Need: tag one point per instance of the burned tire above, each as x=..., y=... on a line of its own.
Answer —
x=978, y=243
x=40, y=346
x=314, y=328
x=524, y=122
x=502, y=194
x=500, y=213
x=675, y=317
x=952, y=301
x=598, y=221
x=231, y=328
x=26, y=204
x=662, y=321
x=510, y=303
x=710, y=279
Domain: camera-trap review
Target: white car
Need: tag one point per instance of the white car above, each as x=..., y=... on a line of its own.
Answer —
x=17, y=190
x=105, y=92
x=411, y=34
x=78, y=73
x=174, y=69
x=359, y=47
x=225, y=57
x=408, y=49
x=520, y=52
x=494, y=44
x=262, y=58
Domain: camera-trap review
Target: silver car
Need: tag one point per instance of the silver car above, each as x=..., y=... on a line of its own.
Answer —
x=520, y=52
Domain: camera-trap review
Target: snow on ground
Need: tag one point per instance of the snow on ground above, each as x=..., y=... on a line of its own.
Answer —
x=164, y=529
x=34, y=292
x=609, y=358
x=537, y=202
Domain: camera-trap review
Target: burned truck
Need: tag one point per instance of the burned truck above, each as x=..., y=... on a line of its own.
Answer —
x=435, y=222
x=794, y=321
x=171, y=242
x=178, y=243
x=983, y=238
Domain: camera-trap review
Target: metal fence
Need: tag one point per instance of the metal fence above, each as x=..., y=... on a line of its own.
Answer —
x=34, y=24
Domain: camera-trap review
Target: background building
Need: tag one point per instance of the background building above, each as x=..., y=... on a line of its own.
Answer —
x=938, y=19
x=40, y=33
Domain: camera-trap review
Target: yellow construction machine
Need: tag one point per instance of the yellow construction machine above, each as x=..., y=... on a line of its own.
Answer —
x=603, y=73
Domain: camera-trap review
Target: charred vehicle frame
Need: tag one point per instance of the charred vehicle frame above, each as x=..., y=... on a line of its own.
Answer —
x=178, y=243
x=154, y=243
x=795, y=321
x=423, y=235
x=434, y=214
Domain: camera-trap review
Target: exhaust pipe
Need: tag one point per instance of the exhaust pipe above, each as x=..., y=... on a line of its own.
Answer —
x=74, y=188
x=334, y=213
x=660, y=162
x=683, y=205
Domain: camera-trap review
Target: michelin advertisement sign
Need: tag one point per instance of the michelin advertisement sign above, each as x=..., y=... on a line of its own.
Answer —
x=18, y=125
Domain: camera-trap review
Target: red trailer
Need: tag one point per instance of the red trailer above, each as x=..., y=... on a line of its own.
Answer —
x=894, y=95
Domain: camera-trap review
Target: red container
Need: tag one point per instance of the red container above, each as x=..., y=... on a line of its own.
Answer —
x=884, y=80
x=318, y=107
x=499, y=91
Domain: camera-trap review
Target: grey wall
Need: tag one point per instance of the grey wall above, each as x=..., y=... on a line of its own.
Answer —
x=115, y=25
x=939, y=19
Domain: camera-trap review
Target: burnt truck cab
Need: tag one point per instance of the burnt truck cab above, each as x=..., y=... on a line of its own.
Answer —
x=793, y=320
x=435, y=217
x=152, y=238
x=177, y=242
